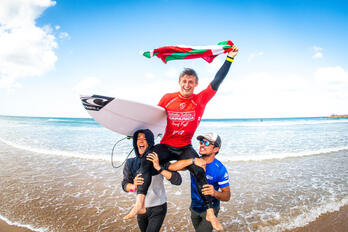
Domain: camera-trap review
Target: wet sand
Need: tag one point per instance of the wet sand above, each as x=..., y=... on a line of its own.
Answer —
x=4, y=227
x=334, y=222
x=66, y=194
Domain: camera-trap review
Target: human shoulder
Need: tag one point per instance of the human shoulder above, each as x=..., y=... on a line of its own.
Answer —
x=167, y=98
x=205, y=95
x=219, y=166
x=170, y=95
x=133, y=164
x=208, y=89
x=130, y=161
x=221, y=174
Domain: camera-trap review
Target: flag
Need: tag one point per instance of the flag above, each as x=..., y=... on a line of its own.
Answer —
x=182, y=52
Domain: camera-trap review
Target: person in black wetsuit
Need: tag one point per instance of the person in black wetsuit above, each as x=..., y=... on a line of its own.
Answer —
x=156, y=199
x=184, y=112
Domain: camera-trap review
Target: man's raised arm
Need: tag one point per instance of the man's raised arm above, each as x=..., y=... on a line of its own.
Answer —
x=221, y=74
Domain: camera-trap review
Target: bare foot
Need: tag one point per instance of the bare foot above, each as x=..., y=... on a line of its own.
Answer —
x=135, y=211
x=139, y=207
x=213, y=220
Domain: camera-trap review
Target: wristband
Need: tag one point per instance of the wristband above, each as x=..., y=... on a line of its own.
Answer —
x=133, y=190
x=193, y=160
x=161, y=169
x=230, y=59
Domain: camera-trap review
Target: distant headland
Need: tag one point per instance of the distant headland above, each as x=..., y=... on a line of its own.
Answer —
x=338, y=116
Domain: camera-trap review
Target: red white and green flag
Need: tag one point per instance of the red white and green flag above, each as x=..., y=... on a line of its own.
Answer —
x=182, y=52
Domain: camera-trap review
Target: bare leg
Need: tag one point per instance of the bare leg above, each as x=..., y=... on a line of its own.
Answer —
x=213, y=220
x=139, y=207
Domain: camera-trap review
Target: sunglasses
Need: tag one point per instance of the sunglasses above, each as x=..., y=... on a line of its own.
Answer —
x=206, y=143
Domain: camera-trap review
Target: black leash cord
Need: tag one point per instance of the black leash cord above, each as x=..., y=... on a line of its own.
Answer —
x=112, y=153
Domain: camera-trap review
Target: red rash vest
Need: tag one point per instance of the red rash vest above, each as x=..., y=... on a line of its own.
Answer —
x=183, y=115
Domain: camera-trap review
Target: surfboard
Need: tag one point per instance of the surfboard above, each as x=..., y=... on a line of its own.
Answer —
x=124, y=116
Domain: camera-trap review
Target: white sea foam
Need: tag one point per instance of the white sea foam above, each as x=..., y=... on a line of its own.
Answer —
x=305, y=218
x=281, y=155
x=121, y=157
x=71, y=120
x=22, y=225
x=224, y=124
x=117, y=158
x=59, y=120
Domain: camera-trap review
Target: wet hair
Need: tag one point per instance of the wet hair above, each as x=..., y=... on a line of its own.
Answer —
x=189, y=72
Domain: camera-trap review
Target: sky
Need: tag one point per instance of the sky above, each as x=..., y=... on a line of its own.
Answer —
x=292, y=59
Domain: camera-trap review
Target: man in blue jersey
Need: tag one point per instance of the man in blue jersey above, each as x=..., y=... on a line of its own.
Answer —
x=217, y=176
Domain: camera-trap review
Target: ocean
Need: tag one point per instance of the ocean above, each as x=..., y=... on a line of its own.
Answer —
x=56, y=174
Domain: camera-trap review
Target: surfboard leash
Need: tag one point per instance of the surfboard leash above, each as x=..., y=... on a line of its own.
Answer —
x=112, y=153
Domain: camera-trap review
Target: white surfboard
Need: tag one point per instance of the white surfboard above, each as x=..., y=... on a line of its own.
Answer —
x=125, y=117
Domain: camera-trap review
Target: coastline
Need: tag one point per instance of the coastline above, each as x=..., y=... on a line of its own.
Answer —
x=338, y=116
x=334, y=221
x=48, y=191
x=5, y=227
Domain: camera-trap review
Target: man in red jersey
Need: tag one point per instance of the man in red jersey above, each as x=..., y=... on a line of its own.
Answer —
x=184, y=113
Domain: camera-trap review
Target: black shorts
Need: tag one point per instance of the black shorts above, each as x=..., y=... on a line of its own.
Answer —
x=168, y=153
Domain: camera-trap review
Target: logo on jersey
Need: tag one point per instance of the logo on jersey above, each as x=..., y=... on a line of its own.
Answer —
x=178, y=132
x=209, y=177
x=181, y=116
x=226, y=175
x=180, y=124
x=182, y=105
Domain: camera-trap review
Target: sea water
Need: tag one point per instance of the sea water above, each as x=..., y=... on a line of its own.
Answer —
x=284, y=172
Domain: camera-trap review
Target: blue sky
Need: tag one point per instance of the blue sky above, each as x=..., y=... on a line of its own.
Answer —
x=292, y=59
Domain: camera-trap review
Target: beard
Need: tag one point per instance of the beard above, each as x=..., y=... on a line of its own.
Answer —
x=205, y=155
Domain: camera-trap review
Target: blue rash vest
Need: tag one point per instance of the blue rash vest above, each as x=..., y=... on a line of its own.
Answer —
x=217, y=176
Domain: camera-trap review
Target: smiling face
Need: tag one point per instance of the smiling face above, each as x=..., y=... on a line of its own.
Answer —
x=205, y=150
x=187, y=83
x=142, y=143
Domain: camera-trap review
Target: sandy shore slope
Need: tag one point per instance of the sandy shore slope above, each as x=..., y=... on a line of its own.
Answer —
x=4, y=227
x=334, y=222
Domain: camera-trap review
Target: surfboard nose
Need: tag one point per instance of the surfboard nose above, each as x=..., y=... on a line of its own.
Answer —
x=95, y=102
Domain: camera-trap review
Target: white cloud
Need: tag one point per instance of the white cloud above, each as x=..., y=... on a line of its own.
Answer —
x=317, y=55
x=317, y=49
x=64, y=35
x=254, y=55
x=332, y=75
x=333, y=83
x=266, y=94
x=317, y=52
x=9, y=83
x=25, y=49
x=87, y=86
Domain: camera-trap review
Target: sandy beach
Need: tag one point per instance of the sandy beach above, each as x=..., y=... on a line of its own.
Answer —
x=4, y=227
x=334, y=222
x=48, y=185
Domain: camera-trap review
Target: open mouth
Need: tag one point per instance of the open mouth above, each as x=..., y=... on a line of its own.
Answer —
x=141, y=147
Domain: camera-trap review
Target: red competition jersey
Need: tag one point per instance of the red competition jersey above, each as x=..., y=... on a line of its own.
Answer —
x=183, y=115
